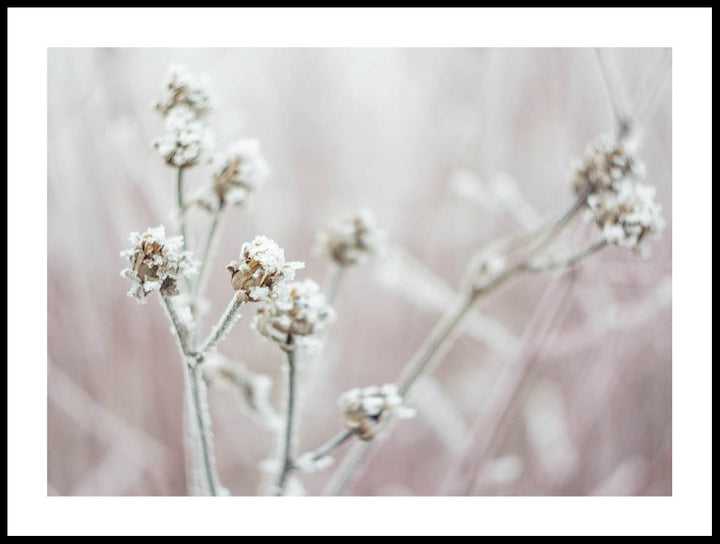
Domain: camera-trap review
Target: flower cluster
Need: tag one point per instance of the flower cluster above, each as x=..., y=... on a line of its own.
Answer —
x=625, y=211
x=186, y=139
x=606, y=166
x=301, y=312
x=365, y=409
x=261, y=273
x=627, y=215
x=185, y=89
x=156, y=263
x=239, y=171
x=351, y=239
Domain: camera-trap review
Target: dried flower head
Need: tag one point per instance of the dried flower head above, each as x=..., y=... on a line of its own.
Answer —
x=627, y=215
x=157, y=263
x=365, y=409
x=606, y=165
x=351, y=239
x=185, y=89
x=301, y=311
x=186, y=140
x=239, y=171
x=261, y=273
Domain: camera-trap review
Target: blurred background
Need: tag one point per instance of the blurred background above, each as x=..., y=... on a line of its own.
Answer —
x=560, y=384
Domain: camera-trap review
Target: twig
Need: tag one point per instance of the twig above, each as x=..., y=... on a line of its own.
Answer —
x=334, y=276
x=209, y=244
x=441, y=338
x=286, y=463
x=568, y=261
x=330, y=446
x=223, y=327
x=198, y=416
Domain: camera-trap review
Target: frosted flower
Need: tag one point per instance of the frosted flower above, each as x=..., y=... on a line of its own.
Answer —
x=606, y=165
x=627, y=215
x=260, y=273
x=157, y=263
x=185, y=89
x=351, y=239
x=301, y=311
x=239, y=171
x=186, y=140
x=365, y=409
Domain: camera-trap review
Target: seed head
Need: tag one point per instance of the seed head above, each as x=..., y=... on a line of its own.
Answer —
x=301, y=311
x=261, y=273
x=239, y=171
x=186, y=140
x=365, y=409
x=157, y=263
x=187, y=90
x=351, y=239
x=606, y=165
x=627, y=215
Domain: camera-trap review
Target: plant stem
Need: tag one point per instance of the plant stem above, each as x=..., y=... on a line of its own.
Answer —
x=223, y=327
x=334, y=276
x=198, y=418
x=202, y=422
x=330, y=446
x=286, y=463
x=180, y=206
x=568, y=261
x=442, y=336
x=209, y=244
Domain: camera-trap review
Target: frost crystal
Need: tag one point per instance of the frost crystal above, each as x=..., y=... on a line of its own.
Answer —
x=627, y=215
x=185, y=89
x=239, y=171
x=261, y=273
x=301, y=312
x=365, y=409
x=157, y=263
x=351, y=239
x=186, y=140
x=606, y=165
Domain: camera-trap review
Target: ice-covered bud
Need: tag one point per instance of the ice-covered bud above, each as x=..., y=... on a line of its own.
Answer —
x=351, y=239
x=365, y=409
x=186, y=140
x=605, y=166
x=301, y=311
x=239, y=171
x=627, y=215
x=157, y=263
x=261, y=273
x=185, y=89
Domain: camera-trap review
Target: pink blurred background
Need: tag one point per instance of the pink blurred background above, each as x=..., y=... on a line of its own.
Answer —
x=561, y=384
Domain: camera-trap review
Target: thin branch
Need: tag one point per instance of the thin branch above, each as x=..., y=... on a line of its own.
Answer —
x=622, y=120
x=223, y=327
x=433, y=350
x=198, y=409
x=334, y=275
x=568, y=261
x=209, y=245
x=179, y=329
x=202, y=422
x=181, y=206
x=286, y=463
x=330, y=446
